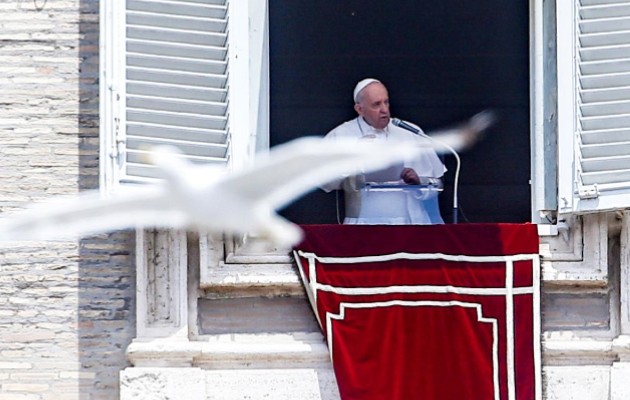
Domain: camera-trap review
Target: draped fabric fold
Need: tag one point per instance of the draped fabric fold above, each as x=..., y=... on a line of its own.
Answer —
x=427, y=312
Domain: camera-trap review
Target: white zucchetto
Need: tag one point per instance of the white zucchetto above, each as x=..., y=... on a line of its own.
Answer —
x=361, y=85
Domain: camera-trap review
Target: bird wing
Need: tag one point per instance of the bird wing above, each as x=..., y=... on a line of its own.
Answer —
x=293, y=169
x=464, y=136
x=90, y=213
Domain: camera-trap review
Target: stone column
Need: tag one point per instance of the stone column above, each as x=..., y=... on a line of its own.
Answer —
x=162, y=354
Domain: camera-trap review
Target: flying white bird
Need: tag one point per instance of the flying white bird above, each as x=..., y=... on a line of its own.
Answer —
x=459, y=137
x=210, y=199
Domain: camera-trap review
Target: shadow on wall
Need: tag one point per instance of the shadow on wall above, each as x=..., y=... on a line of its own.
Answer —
x=106, y=314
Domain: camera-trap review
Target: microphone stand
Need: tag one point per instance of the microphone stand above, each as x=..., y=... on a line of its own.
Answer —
x=417, y=131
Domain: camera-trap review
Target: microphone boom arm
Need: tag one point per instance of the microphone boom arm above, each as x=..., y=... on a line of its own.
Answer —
x=405, y=125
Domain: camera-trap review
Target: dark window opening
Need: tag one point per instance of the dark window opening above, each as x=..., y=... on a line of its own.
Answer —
x=442, y=63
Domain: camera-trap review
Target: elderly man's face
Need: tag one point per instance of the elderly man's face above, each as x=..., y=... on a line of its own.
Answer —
x=373, y=105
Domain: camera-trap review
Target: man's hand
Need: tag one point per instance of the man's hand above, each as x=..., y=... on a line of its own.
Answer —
x=409, y=176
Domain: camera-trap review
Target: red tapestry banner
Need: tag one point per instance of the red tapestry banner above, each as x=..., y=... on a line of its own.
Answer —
x=443, y=312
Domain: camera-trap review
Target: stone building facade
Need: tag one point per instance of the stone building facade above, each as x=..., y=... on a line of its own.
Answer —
x=66, y=308
x=169, y=314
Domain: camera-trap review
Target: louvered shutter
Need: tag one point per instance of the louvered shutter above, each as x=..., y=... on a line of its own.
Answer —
x=594, y=75
x=176, y=81
x=188, y=73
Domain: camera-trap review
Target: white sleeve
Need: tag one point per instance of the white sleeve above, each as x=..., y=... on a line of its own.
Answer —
x=428, y=164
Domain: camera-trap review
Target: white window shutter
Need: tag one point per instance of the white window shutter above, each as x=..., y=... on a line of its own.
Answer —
x=178, y=72
x=176, y=82
x=593, y=105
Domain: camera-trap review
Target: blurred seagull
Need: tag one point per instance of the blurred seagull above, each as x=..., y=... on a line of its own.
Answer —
x=207, y=197
x=460, y=137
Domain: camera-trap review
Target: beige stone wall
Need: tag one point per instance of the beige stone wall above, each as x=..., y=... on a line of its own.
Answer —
x=66, y=308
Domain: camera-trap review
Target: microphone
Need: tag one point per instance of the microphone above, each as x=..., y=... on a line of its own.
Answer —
x=407, y=126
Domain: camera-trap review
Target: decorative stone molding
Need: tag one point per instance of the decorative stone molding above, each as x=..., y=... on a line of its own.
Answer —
x=234, y=352
x=578, y=256
x=251, y=250
x=246, y=265
x=162, y=297
x=569, y=349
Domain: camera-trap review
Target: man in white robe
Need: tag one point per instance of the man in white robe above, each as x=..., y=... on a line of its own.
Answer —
x=400, y=202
